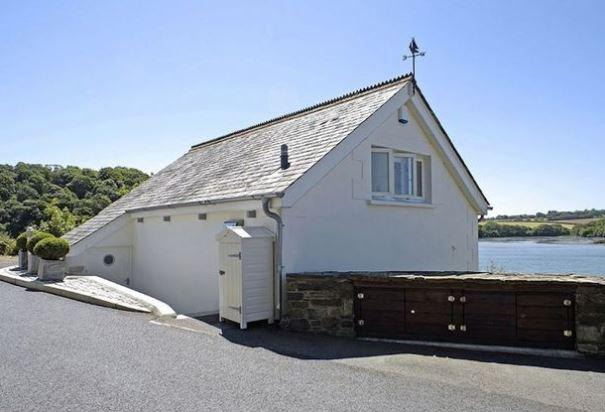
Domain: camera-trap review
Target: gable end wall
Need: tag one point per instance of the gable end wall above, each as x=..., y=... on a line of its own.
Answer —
x=332, y=227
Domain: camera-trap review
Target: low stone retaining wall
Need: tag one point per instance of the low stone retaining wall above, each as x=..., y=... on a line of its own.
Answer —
x=319, y=304
x=323, y=303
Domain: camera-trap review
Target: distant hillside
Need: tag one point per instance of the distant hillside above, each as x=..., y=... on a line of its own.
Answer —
x=554, y=215
x=55, y=198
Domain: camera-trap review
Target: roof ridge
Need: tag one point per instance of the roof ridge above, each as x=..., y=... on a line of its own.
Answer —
x=306, y=109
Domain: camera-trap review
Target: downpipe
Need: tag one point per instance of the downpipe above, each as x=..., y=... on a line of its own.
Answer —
x=278, y=253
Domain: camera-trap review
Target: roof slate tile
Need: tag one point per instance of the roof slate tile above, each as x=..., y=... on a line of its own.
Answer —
x=246, y=163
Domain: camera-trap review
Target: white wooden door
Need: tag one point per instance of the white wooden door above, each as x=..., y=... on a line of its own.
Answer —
x=230, y=282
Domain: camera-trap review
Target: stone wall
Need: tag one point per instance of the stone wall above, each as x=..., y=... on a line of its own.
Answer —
x=590, y=320
x=319, y=304
x=323, y=302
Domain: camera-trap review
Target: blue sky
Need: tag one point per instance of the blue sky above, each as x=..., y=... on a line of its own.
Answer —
x=518, y=85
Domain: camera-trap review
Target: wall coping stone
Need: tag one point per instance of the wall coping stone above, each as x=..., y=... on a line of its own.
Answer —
x=393, y=276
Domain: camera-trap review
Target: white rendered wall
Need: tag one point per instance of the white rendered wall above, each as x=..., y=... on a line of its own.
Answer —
x=333, y=226
x=178, y=262
x=116, y=240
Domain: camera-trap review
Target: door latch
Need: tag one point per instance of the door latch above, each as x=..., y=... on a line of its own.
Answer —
x=451, y=299
x=236, y=255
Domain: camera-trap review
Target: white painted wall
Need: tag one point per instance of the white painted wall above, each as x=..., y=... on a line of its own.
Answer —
x=333, y=226
x=178, y=261
x=115, y=240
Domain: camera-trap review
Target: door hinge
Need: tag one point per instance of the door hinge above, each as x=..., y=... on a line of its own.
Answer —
x=462, y=328
x=567, y=302
x=462, y=299
x=360, y=322
x=451, y=299
x=360, y=296
x=451, y=327
x=567, y=333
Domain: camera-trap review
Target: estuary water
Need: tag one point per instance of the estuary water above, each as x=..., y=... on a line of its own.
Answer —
x=542, y=255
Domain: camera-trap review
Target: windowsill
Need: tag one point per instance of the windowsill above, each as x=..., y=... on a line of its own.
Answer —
x=400, y=203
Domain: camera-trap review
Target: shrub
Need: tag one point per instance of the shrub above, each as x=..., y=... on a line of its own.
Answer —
x=550, y=230
x=35, y=238
x=52, y=248
x=6, y=244
x=22, y=241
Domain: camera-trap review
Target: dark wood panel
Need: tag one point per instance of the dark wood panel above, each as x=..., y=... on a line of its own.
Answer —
x=527, y=318
x=381, y=311
x=489, y=316
x=550, y=300
x=428, y=312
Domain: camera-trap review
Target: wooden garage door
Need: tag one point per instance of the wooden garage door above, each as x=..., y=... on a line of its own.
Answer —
x=546, y=319
x=539, y=319
x=428, y=313
x=379, y=312
x=488, y=317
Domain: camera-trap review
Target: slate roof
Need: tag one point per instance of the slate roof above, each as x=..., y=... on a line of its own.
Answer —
x=246, y=163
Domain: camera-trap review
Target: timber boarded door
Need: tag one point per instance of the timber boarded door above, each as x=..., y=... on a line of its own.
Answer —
x=540, y=319
x=429, y=313
x=380, y=312
x=546, y=319
x=487, y=317
x=230, y=281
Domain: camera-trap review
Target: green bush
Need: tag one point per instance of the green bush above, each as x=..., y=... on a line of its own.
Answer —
x=52, y=248
x=595, y=228
x=6, y=244
x=35, y=238
x=22, y=241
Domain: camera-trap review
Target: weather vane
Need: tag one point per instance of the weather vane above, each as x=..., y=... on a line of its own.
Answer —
x=415, y=50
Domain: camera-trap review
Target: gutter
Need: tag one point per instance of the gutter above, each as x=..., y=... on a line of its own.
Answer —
x=204, y=202
x=279, y=302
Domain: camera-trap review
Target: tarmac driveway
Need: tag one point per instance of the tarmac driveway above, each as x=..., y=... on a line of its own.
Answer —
x=58, y=354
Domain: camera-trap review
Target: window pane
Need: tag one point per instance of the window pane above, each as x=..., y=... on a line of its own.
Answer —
x=403, y=175
x=380, y=172
x=419, y=188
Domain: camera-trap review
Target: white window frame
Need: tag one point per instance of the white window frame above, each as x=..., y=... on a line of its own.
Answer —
x=390, y=175
x=391, y=195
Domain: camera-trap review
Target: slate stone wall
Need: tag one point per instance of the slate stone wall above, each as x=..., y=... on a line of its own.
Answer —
x=590, y=320
x=319, y=304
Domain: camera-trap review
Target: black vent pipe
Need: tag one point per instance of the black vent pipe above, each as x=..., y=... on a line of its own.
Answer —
x=284, y=157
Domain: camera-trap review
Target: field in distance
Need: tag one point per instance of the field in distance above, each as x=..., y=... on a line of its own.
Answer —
x=567, y=223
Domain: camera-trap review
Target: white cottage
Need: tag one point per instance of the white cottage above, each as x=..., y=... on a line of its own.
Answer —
x=369, y=181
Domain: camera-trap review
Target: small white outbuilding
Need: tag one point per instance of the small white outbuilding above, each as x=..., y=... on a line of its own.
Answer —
x=246, y=274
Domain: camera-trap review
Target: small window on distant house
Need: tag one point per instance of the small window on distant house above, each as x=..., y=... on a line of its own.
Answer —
x=380, y=172
x=166, y=218
x=398, y=175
